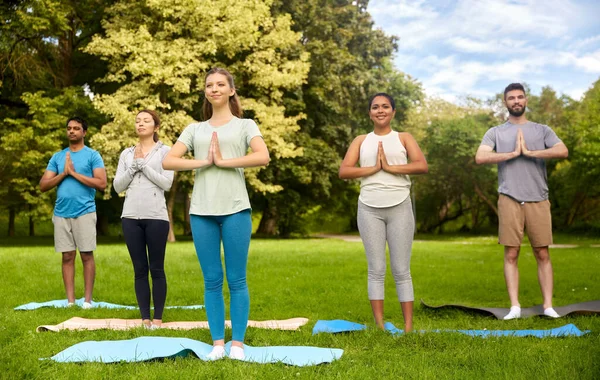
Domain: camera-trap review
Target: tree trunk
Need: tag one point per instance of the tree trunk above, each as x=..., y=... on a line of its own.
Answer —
x=187, y=229
x=268, y=221
x=446, y=219
x=170, y=205
x=474, y=215
x=102, y=224
x=66, y=47
x=574, y=209
x=485, y=199
x=31, y=224
x=11, y=221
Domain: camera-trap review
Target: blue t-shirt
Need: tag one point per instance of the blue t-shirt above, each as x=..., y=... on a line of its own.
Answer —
x=73, y=198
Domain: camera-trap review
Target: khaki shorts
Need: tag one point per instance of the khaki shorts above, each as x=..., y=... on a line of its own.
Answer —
x=73, y=233
x=515, y=217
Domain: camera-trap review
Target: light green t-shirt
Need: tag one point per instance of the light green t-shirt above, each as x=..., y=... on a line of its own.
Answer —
x=219, y=191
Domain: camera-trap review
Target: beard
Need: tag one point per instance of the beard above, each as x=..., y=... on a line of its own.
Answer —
x=516, y=113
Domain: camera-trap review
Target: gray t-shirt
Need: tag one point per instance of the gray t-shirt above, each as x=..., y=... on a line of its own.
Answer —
x=522, y=178
x=219, y=191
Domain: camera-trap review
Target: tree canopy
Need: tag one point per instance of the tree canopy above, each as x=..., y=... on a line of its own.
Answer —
x=305, y=71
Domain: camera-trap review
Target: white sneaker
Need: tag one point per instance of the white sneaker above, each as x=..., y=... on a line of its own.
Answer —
x=218, y=352
x=550, y=312
x=236, y=353
x=515, y=312
x=70, y=304
x=86, y=305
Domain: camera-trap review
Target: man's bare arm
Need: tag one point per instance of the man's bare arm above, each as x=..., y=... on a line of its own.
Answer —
x=486, y=155
x=50, y=180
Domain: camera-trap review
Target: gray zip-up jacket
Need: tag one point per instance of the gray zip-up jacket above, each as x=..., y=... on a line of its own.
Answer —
x=145, y=181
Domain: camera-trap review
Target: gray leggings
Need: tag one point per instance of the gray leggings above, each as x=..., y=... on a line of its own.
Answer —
x=396, y=225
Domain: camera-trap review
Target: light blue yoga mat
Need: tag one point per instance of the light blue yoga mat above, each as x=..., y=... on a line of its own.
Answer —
x=336, y=326
x=79, y=302
x=154, y=347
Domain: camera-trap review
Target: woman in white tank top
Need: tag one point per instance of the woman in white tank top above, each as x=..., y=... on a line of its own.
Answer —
x=386, y=158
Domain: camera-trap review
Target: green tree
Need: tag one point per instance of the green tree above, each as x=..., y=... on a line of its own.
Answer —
x=158, y=52
x=350, y=60
x=575, y=185
x=455, y=187
x=28, y=144
x=41, y=64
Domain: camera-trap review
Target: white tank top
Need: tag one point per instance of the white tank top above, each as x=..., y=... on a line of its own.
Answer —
x=383, y=189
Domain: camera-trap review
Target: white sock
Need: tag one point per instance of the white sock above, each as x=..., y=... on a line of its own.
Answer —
x=237, y=353
x=515, y=312
x=218, y=352
x=550, y=312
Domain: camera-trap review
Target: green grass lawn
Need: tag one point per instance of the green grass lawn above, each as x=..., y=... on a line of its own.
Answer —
x=317, y=279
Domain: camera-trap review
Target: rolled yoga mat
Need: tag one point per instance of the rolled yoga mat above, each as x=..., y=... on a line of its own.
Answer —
x=77, y=323
x=154, y=347
x=583, y=308
x=337, y=326
x=99, y=304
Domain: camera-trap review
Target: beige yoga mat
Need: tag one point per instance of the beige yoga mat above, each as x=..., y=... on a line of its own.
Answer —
x=77, y=323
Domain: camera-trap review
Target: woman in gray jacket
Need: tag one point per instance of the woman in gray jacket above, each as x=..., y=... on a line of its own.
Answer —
x=145, y=220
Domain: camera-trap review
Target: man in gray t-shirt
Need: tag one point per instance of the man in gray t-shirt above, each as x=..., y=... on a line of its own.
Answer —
x=519, y=147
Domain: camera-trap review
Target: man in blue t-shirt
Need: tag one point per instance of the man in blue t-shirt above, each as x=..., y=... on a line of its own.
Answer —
x=520, y=148
x=78, y=171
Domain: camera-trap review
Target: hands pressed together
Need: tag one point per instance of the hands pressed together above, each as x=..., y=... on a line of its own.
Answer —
x=520, y=146
x=69, y=167
x=214, y=152
x=382, y=162
x=137, y=153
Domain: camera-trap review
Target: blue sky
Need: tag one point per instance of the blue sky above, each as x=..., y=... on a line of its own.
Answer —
x=477, y=47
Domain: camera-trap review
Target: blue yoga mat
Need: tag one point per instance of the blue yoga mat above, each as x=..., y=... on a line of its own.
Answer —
x=79, y=302
x=154, y=347
x=336, y=326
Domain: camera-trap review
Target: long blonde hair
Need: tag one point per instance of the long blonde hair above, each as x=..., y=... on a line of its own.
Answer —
x=234, y=101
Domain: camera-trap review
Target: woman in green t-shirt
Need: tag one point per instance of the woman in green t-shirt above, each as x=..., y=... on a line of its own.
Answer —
x=220, y=206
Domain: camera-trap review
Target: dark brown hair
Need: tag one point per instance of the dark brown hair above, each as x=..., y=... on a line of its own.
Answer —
x=387, y=96
x=513, y=87
x=156, y=119
x=234, y=101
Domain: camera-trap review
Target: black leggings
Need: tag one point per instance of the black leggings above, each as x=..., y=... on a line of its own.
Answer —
x=151, y=233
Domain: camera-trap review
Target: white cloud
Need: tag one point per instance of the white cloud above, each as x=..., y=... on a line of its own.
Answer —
x=466, y=47
x=438, y=92
x=589, y=62
x=525, y=18
x=484, y=21
x=470, y=45
x=581, y=44
x=403, y=9
x=576, y=93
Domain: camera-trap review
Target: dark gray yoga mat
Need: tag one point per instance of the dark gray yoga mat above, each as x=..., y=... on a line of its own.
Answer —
x=590, y=307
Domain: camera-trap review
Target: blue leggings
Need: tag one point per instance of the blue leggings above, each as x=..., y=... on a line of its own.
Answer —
x=234, y=230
